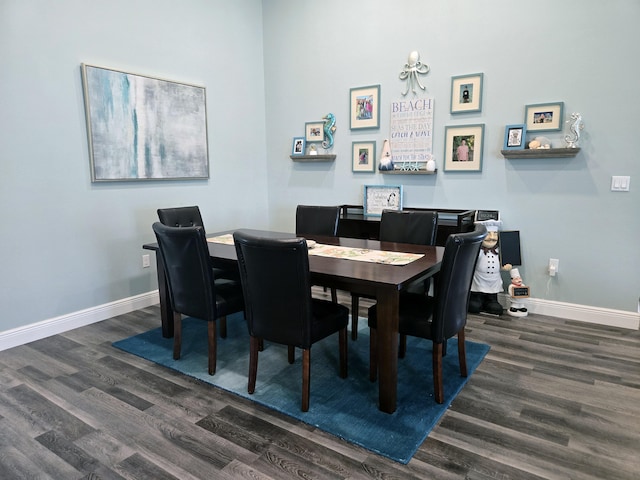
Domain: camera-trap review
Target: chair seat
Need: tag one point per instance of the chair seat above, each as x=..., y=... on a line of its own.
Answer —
x=229, y=297
x=328, y=317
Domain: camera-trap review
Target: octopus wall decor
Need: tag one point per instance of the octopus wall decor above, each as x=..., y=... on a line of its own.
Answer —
x=412, y=69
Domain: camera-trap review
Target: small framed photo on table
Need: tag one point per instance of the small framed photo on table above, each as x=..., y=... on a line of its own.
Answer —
x=381, y=197
x=297, y=148
x=364, y=107
x=363, y=157
x=463, y=148
x=544, y=117
x=466, y=93
x=514, y=137
x=314, y=132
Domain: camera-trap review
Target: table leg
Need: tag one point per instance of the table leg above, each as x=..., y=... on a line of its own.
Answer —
x=388, y=304
x=166, y=309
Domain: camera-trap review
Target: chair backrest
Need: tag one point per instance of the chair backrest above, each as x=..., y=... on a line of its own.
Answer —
x=453, y=284
x=181, y=217
x=407, y=226
x=187, y=266
x=317, y=220
x=276, y=286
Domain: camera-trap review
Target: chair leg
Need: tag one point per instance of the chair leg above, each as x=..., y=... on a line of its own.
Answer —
x=373, y=354
x=402, y=346
x=306, y=378
x=334, y=295
x=223, y=327
x=462, y=354
x=437, y=373
x=254, y=346
x=291, y=350
x=343, y=345
x=177, y=336
x=355, y=306
x=212, y=347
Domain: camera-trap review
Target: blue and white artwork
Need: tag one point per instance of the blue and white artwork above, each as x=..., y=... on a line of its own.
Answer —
x=143, y=128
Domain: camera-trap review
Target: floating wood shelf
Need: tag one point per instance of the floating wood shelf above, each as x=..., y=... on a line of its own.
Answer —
x=541, y=153
x=408, y=172
x=313, y=158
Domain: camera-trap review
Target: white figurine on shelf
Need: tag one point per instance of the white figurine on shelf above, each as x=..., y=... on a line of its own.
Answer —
x=575, y=128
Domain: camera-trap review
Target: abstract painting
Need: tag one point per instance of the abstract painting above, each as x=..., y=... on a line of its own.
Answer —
x=144, y=128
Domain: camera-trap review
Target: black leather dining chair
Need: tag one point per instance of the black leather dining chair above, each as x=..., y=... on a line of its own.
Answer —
x=419, y=227
x=190, y=216
x=193, y=289
x=181, y=216
x=442, y=316
x=314, y=220
x=279, y=306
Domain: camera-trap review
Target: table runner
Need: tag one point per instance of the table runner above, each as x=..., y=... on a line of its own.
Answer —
x=347, y=253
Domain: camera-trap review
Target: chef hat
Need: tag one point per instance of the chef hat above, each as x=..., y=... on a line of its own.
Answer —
x=492, y=225
x=514, y=273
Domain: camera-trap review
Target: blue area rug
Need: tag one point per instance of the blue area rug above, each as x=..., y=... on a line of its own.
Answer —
x=346, y=408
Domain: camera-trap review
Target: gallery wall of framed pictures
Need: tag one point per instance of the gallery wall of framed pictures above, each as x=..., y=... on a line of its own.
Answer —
x=463, y=147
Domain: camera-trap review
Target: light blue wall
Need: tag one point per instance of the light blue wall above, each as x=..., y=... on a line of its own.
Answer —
x=67, y=244
x=270, y=66
x=581, y=52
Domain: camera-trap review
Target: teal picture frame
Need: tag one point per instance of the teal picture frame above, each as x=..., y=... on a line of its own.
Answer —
x=363, y=157
x=463, y=148
x=377, y=198
x=514, y=137
x=298, y=146
x=364, y=107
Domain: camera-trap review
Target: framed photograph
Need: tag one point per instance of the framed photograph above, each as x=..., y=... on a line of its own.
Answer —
x=382, y=197
x=314, y=131
x=544, y=117
x=298, y=145
x=364, y=107
x=514, y=137
x=463, y=148
x=363, y=156
x=466, y=93
x=144, y=128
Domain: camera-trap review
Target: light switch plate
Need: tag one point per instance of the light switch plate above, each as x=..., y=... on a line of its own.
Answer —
x=620, y=183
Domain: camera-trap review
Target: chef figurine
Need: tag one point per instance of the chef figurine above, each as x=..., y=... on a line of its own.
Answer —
x=487, y=280
x=517, y=290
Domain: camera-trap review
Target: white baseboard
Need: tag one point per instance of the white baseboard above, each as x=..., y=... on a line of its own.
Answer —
x=53, y=326
x=63, y=323
x=581, y=313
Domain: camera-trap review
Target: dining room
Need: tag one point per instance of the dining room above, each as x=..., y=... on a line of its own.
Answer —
x=266, y=72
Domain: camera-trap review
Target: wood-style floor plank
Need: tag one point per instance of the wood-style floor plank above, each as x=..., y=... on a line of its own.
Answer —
x=553, y=399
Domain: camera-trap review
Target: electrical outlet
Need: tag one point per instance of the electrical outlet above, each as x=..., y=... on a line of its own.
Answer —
x=146, y=261
x=553, y=266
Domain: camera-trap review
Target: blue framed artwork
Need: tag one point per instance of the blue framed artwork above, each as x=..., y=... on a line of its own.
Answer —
x=364, y=107
x=144, y=128
x=466, y=93
x=514, y=137
x=463, y=148
x=298, y=146
x=381, y=197
x=544, y=117
x=363, y=157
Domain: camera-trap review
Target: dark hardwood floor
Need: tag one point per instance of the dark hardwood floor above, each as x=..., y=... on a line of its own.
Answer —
x=553, y=399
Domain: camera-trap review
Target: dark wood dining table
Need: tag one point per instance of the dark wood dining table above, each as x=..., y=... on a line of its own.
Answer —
x=382, y=281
